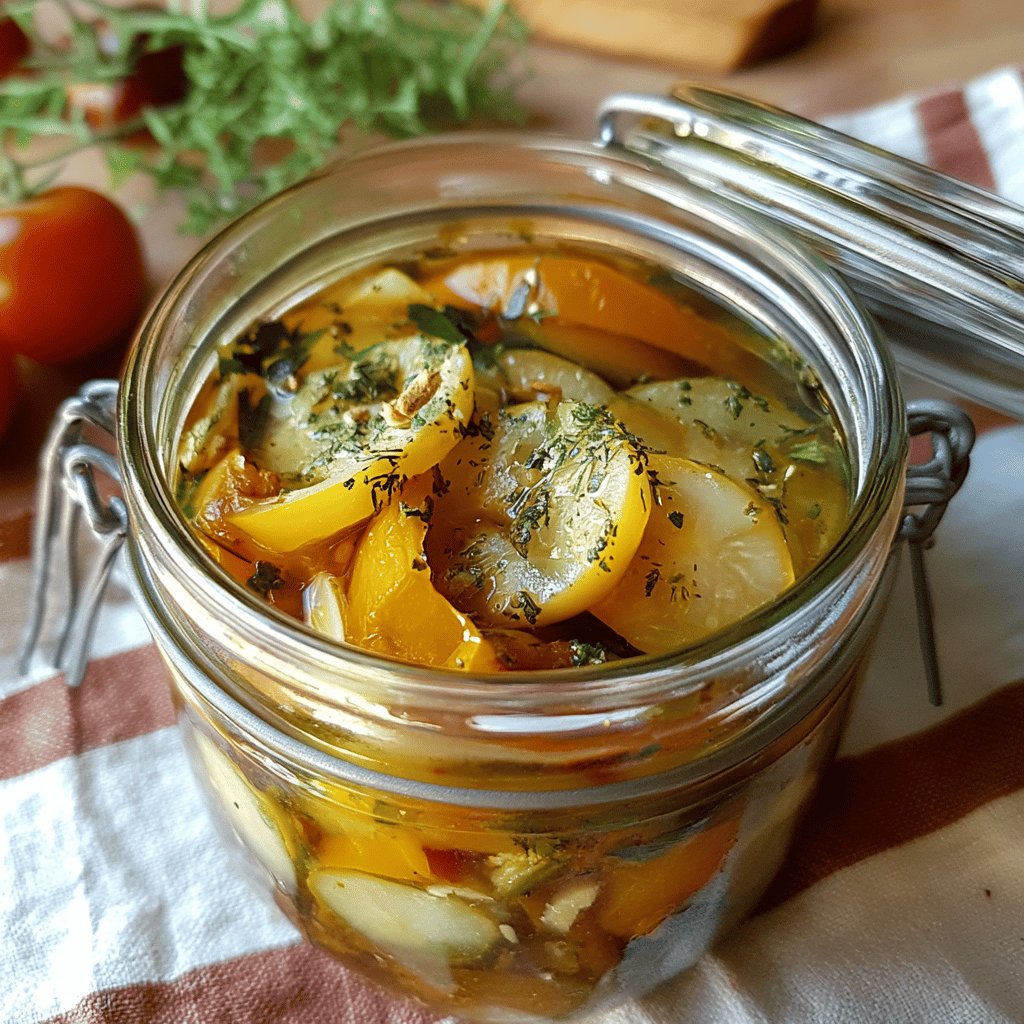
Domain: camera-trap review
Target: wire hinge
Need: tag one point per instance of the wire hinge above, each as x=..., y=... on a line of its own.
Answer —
x=71, y=483
x=930, y=486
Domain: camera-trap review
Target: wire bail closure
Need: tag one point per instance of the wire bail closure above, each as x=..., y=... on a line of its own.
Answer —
x=68, y=488
x=940, y=262
x=930, y=486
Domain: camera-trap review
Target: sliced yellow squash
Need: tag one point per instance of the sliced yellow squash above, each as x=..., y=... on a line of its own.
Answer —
x=713, y=552
x=529, y=374
x=355, y=432
x=401, y=919
x=543, y=511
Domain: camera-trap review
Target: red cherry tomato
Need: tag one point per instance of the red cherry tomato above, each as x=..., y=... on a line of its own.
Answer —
x=8, y=392
x=157, y=80
x=71, y=275
x=14, y=45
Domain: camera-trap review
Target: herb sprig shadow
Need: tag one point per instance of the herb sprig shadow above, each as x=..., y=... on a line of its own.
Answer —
x=268, y=94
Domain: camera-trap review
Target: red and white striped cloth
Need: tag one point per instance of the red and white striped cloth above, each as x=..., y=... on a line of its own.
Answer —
x=903, y=900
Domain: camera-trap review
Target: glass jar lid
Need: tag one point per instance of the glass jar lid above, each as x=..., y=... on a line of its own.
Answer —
x=940, y=262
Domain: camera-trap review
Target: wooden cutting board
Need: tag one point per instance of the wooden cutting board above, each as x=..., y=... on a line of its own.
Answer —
x=709, y=35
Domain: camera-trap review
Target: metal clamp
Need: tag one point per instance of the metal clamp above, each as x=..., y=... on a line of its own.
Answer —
x=930, y=486
x=68, y=486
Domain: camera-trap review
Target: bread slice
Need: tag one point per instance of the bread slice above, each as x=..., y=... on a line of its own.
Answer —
x=710, y=35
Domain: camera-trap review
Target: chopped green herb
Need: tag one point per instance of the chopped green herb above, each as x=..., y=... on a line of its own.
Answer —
x=411, y=512
x=529, y=515
x=763, y=462
x=587, y=654
x=814, y=511
x=809, y=451
x=266, y=578
x=529, y=607
x=676, y=519
x=252, y=419
x=437, y=323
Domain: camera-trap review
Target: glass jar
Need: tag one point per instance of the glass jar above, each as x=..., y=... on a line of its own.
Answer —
x=612, y=820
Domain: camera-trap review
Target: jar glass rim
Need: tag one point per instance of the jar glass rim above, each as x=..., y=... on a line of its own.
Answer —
x=150, y=491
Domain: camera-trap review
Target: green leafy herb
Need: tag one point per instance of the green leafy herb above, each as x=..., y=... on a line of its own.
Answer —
x=266, y=578
x=810, y=451
x=261, y=77
x=587, y=654
x=676, y=519
x=252, y=419
x=271, y=350
x=437, y=323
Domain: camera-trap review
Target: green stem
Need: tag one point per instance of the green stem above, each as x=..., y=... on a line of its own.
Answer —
x=12, y=179
x=14, y=185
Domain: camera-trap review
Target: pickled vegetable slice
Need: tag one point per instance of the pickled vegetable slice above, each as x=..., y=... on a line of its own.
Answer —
x=216, y=429
x=324, y=606
x=795, y=462
x=619, y=360
x=253, y=816
x=401, y=918
x=542, y=513
x=638, y=896
x=376, y=849
x=527, y=374
x=393, y=606
x=706, y=419
x=352, y=434
x=713, y=551
x=574, y=290
x=356, y=313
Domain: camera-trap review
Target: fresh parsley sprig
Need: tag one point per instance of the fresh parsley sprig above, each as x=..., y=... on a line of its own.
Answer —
x=261, y=78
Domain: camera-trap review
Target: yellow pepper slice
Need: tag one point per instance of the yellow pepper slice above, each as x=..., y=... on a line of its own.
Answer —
x=357, y=432
x=573, y=290
x=393, y=606
x=638, y=896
